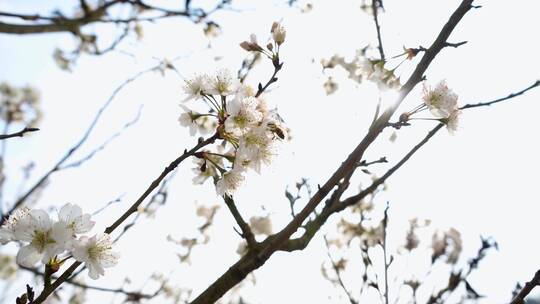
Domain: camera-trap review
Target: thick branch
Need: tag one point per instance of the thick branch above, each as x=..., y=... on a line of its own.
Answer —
x=58, y=24
x=334, y=206
x=529, y=286
x=254, y=260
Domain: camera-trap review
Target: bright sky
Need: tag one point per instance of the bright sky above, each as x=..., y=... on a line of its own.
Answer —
x=482, y=180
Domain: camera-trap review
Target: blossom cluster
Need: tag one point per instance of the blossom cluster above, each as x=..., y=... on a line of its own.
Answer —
x=19, y=104
x=241, y=119
x=45, y=239
x=442, y=103
x=447, y=243
x=362, y=68
x=239, y=116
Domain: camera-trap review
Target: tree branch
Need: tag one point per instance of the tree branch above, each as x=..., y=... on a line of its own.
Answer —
x=58, y=166
x=18, y=134
x=129, y=294
x=337, y=270
x=171, y=167
x=375, y=4
x=483, y=104
x=247, y=234
x=255, y=259
x=529, y=286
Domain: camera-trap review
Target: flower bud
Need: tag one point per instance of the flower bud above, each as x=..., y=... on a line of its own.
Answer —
x=278, y=33
x=404, y=117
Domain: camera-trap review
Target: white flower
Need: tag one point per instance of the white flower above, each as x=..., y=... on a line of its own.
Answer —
x=188, y=119
x=243, y=115
x=441, y=101
x=206, y=212
x=454, y=238
x=244, y=91
x=222, y=83
x=278, y=33
x=256, y=147
x=365, y=66
x=46, y=239
x=96, y=253
x=452, y=122
x=72, y=217
x=195, y=87
x=261, y=225
x=203, y=171
x=230, y=182
x=384, y=78
x=448, y=243
x=242, y=248
x=7, y=231
x=8, y=267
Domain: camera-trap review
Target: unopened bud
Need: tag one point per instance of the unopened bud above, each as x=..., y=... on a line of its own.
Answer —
x=278, y=33
x=250, y=46
x=404, y=117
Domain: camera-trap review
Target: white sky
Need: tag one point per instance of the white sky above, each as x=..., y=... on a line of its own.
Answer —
x=481, y=181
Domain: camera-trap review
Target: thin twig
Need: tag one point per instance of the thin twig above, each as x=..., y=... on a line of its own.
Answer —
x=338, y=273
x=384, y=247
x=483, y=104
x=58, y=166
x=375, y=4
x=101, y=147
x=132, y=294
x=18, y=134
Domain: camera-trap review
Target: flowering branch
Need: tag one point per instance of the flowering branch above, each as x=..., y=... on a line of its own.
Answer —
x=67, y=273
x=130, y=294
x=18, y=134
x=256, y=258
x=157, y=181
x=333, y=205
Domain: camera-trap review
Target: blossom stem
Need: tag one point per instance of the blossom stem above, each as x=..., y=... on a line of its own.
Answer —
x=221, y=170
x=47, y=276
x=212, y=102
x=418, y=109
